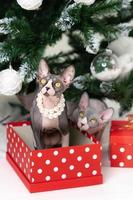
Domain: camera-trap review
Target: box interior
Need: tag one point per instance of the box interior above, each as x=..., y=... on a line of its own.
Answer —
x=26, y=133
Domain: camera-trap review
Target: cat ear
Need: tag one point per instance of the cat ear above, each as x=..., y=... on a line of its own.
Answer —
x=84, y=102
x=106, y=115
x=68, y=75
x=43, y=69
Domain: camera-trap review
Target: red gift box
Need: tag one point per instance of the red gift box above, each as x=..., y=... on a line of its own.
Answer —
x=50, y=169
x=121, y=144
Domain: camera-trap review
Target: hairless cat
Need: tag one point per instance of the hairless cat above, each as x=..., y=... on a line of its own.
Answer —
x=48, y=112
x=90, y=115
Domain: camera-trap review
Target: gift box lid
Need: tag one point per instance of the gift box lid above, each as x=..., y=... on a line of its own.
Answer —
x=121, y=132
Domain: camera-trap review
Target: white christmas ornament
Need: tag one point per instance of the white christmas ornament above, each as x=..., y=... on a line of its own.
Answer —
x=87, y=2
x=30, y=4
x=10, y=82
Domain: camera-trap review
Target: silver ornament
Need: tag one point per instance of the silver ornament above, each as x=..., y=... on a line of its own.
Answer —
x=105, y=66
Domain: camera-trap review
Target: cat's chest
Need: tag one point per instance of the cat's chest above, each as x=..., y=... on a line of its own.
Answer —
x=50, y=102
x=50, y=123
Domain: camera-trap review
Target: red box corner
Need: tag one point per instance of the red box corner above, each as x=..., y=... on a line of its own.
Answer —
x=121, y=144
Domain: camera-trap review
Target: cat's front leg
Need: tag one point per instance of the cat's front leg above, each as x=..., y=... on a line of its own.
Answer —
x=38, y=143
x=99, y=134
x=65, y=140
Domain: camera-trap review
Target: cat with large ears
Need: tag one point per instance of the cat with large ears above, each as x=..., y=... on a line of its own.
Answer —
x=91, y=115
x=48, y=112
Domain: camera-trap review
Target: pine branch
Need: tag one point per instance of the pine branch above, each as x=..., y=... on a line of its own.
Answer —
x=83, y=13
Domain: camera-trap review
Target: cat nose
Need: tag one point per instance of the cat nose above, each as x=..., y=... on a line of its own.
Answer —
x=82, y=124
x=47, y=88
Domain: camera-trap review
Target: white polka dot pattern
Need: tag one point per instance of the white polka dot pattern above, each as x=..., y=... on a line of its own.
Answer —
x=19, y=151
x=79, y=158
x=54, y=164
x=87, y=165
x=94, y=156
x=47, y=178
x=39, y=155
x=122, y=149
x=63, y=160
x=33, y=180
x=63, y=176
x=71, y=167
x=47, y=162
x=56, y=169
x=39, y=171
x=87, y=149
x=71, y=151
x=121, y=164
x=129, y=157
x=114, y=157
x=55, y=153
x=94, y=172
x=121, y=155
x=79, y=174
x=121, y=144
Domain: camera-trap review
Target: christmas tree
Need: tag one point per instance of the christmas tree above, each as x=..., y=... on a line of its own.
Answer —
x=94, y=28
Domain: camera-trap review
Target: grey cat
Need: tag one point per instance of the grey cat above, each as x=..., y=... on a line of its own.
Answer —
x=50, y=131
x=90, y=115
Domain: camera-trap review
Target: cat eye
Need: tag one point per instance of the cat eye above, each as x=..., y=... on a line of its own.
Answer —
x=81, y=114
x=58, y=84
x=43, y=81
x=93, y=121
